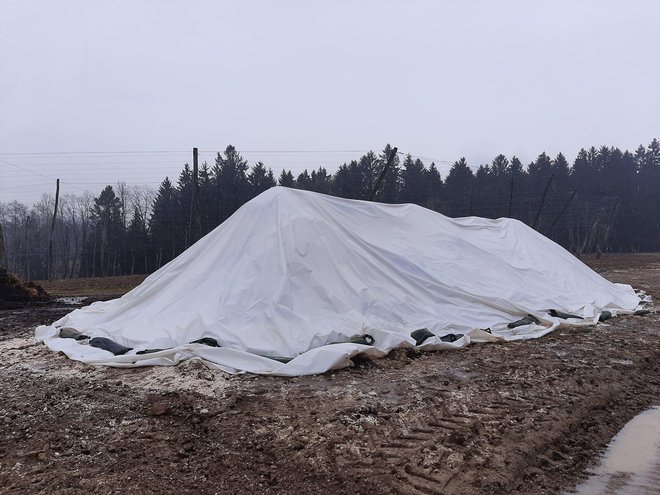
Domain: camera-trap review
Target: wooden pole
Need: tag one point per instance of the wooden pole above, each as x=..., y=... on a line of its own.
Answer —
x=390, y=159
x=562, y=211
x=193, y=203
x=538, y=212
x=510, y=196
x=608, y=226
x=27, y=257
x=3, y=255
x=49, y=265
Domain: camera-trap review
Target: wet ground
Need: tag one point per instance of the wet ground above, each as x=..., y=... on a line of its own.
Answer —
x=631, y=463
x=521, y=417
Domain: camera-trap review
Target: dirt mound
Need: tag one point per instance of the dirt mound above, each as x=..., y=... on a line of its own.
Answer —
x=15, y=292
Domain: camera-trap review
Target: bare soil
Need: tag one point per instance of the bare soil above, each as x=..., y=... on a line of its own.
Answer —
x=523, y=417
x=95, y=288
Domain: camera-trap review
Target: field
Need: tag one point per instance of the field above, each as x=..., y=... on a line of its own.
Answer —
x=523, y=417
x=94, y=288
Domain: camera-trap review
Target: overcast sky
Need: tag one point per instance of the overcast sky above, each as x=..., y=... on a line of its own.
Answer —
x=438, y=79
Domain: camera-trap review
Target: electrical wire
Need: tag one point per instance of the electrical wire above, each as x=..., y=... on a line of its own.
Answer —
x=134, y=167
x=142, y=152
x=37, y=173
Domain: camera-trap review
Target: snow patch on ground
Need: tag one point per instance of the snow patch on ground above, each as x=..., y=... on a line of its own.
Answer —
x=25, y=354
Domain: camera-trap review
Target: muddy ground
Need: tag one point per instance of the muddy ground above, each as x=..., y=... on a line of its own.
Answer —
x=523, y=417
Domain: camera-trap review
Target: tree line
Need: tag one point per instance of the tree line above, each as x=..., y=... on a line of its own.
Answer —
x=606, y=200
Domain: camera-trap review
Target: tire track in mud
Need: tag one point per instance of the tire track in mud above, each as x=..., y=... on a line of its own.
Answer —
x=498, y=423
x=407, y=452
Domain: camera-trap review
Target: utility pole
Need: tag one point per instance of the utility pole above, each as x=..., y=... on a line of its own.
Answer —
x=52, y=228
x=27, y=251
x=390, y=159
x=3, y=256
x=608, y=226
x=192, y=234
x=510, y=195
x=562, y=211
x=545, y=192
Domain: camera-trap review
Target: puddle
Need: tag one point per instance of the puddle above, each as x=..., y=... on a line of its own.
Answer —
x=631, y=464
x=71, y=300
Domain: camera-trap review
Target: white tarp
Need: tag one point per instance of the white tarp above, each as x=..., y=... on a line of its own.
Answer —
x=293, y=271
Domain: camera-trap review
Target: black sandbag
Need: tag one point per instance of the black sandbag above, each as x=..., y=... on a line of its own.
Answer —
x=527, y=320
x=561, y=314
x=421, y=335
x=604, y=315
x=71, y=333
x=209, y=341
x=109, y=345
x=451, y=337
x=148, y=351
x=364, y=339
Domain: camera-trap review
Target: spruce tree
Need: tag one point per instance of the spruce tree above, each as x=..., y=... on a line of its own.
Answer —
x=163, y=226
x=459, y=187
x=260, y=179
x=229, y=176
x=321, y=181
x=390, y=188
x=108, y=233
x=304, y=180
x=286, y=179
x=434, y=189
x=413, y=181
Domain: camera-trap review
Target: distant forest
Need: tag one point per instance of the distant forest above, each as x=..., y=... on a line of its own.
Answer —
x=607, y=200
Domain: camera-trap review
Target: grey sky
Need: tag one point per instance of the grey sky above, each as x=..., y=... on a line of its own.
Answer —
x=437, y=79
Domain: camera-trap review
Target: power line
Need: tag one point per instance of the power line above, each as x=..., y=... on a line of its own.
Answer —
x=142, y=152
x=426, y=158
x=26, y=169
x=41, y=153
x=86, y=163
x=291, y=151
x=36, y=186
x=35, y=173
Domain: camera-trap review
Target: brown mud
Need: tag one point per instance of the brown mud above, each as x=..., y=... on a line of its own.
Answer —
x=522, y=417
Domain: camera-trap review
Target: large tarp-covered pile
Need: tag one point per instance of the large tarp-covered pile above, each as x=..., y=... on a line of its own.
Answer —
x=293, y=282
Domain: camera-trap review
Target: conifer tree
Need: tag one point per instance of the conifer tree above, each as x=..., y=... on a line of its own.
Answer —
x=184, y=209
x=286, y=179
x=321, y=181
x=164, y=228
x=369, y=167
x=560, y=169
x=500, y=167
x=539, y=172
x=229, y=175
x=138, y=244
x=390, y=189
x=207, y=200
x=434, y=189
x=413, y=181
x=107, y=235
x=304, y=180
x=459, y=187
x=260, y=179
